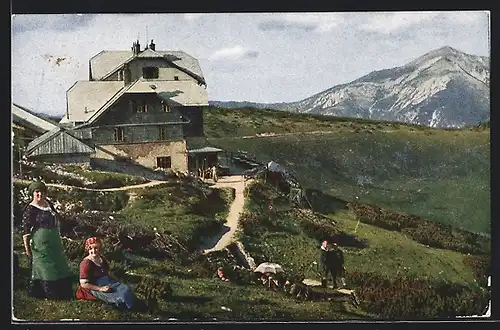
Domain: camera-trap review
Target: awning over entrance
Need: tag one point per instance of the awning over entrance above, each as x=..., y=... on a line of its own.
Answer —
x=205, y=150
x=204, y=157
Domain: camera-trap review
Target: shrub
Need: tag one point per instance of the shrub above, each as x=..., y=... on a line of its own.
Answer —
x=481, y=265
x=319, y=230
x=75, y=249
x=250, y=223
x=151, y=290
x=105, y=201
x=423, y=231
x=409, y=298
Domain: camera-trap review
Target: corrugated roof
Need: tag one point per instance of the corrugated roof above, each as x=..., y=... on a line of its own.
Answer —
x=57, y=141
x=35, y=121
x=41, y=139
x=85, y=98
x=106, y=62
x=184, y=92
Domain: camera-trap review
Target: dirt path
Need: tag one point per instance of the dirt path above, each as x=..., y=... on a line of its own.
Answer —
x=63, y=186
x=271, y=134
x=224, y=239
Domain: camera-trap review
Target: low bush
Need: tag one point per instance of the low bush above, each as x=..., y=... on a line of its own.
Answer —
x=322, y=229
x=151, y=290
x=481, y=265
x=408, y=298
x=250, y=224
x=109, y=201
x=75, y=249
x=423, y=231
x=104, y=180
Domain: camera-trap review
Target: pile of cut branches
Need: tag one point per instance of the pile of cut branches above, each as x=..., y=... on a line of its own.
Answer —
x=118, y=236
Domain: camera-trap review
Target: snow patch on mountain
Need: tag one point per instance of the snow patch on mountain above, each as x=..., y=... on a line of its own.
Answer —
x=418, y=92
x=443, y=88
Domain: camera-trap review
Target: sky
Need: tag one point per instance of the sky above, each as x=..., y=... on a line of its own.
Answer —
x=256, y=57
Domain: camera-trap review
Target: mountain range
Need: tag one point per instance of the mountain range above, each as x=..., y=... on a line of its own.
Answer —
x=444, y=88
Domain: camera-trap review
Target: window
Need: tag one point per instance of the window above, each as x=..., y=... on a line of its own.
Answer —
x=119, y=134
x=176, y=77
x=163, y=162
x=165, y=107
x=150, y=72
x=139, y=106
x=162, y=133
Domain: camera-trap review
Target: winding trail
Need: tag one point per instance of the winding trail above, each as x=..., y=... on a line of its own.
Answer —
x=224, y=238
x=324, y=132
x=63, y=186
x=217, y=242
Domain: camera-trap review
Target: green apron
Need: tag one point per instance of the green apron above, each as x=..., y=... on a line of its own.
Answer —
x=49, y=262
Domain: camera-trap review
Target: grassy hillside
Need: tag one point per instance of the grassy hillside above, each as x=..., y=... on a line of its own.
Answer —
x=156, y=232
x=442, y=175
x=401, y=266
x=151, y=238
x=379, y=262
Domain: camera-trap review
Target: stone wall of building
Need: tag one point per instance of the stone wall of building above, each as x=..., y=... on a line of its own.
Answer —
x=146, y=154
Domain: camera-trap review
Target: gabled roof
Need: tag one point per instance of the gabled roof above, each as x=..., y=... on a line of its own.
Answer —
x=57, y=142
x=98, y=96
x=96, y=114
x=26, y=117
x=85, y=98
x=183, y=92
x=108, y=62
x=149, y=53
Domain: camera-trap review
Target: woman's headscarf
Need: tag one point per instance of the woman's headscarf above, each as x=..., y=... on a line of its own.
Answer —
x=36, y=185
x=90, y=241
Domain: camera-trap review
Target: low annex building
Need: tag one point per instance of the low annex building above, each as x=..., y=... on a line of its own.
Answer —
x=28, y=125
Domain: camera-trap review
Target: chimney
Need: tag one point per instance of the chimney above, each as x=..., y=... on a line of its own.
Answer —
x=152, y=45
x=126, y=75
x=136, y=47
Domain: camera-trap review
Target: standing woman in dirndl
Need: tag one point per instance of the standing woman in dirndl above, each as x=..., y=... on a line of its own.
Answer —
x=50, y=274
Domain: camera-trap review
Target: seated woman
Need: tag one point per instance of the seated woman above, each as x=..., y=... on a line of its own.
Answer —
x=95, y=282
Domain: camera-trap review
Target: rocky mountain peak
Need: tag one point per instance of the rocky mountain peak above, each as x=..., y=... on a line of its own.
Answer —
x=442, y=88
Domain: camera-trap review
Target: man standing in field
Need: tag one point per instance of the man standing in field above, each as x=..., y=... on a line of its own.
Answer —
x=331, y=262
x=338, y=265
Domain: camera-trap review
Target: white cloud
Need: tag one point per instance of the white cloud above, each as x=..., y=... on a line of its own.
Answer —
x=317, y=22
x=224, y=42
x=387, y=23
x=234, y=53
